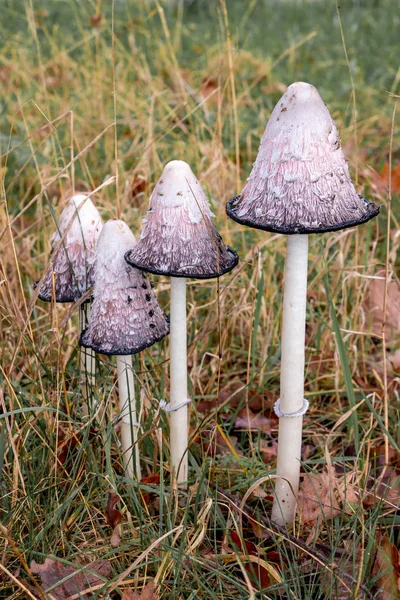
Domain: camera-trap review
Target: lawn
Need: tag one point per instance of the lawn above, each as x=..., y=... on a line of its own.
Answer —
x=100, y=95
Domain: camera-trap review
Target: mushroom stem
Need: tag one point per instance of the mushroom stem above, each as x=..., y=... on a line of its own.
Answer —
x=128, y=414
x=87, y=362
x=178, y=381
x=292, y=380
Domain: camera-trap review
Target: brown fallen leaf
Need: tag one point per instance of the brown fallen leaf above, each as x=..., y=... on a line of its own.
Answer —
x=395, y=176
x=247, y=420
x=316, y=498
x=257, y=573
x=148, y=497
x=320, y=494
x=147, y=593
x=114, y=518
x=214, y=441
x=374, y=303
x=95, y=20
x=387, y=569
x=80, y=580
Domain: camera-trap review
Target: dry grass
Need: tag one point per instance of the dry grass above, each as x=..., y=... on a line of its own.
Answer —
x=207, y=106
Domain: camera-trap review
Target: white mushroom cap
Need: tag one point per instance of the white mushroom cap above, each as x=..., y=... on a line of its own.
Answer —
x=125, y=317
x=300, y=182
x=72, y=259
x=179, y=237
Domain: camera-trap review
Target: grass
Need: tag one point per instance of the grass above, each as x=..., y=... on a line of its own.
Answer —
x=61, y=76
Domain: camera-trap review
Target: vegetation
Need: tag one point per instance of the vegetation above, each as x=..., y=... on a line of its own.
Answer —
x=93, y=99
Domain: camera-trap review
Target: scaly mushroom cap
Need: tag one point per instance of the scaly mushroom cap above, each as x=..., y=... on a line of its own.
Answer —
x=179, y=237
x=125, y=317
x=72, y=263
x=300, y=182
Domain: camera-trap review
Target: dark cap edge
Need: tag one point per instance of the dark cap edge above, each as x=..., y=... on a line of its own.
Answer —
x=301, y=230
x=122, y=351
x=154, y=271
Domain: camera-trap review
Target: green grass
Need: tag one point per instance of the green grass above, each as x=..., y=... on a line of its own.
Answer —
x=55, y=66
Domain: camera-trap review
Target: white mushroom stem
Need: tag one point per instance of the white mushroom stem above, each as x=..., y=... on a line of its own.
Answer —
x=128, y=414
x=292, y=380
x=87, y=361
x=178, y=381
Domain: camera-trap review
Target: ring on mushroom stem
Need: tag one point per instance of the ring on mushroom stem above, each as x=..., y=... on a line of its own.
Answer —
x=179, y=239
x=299, y=184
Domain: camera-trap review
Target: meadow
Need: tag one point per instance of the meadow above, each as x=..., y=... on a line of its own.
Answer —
x=100, y=95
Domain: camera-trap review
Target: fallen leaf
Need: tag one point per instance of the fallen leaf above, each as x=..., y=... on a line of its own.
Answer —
x=268, y=450
x=147, y=593
x=208, y=86
x=213, y=441
x=256, y=571
x=95, y=20
x=80, y=579
x=247, y=420
x=317, y=499
x=234, y=395
x=374, y=304
x=114, y=518
x=387, y=569
x=395, y=176
x=113, y=515
x=148, y=497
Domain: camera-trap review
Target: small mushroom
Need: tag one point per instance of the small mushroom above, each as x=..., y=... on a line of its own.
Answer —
x=125, y=319
x=299, y=184
x=71, y=268
x=179, y=239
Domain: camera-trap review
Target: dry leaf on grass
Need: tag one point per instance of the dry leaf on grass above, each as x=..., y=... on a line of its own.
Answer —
x=80, y=579
x=387, y=569
x=374, y=302
x=246, y=419
x=257, y=572
x=148, y=497
x=114, y=518
x=147, y=593
x=383, y=480
x=320, y=494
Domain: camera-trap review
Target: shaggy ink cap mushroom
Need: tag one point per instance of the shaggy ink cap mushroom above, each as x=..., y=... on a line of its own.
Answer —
x=125, y=316
x=300, y=182
x=72, y=260
x=179, y=238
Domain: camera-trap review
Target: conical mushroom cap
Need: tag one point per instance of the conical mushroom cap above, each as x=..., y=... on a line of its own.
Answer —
x=179, y=237
x=125, y=317
x=73, y=262
x=300, y=182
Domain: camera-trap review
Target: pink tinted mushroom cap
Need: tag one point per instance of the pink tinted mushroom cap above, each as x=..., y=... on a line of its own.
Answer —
x=179, y=237
x=300, y=182
x=125, y=316
x=73, y=251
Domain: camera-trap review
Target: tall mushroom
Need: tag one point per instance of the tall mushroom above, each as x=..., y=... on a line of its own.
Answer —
x=71, y=270
x=180, y=240
x=299, y=184
x=125, y=319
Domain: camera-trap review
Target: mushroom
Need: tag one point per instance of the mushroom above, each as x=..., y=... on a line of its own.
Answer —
x=71, y=269
x=125, y=319
x=299, y=184
x=180, y=240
